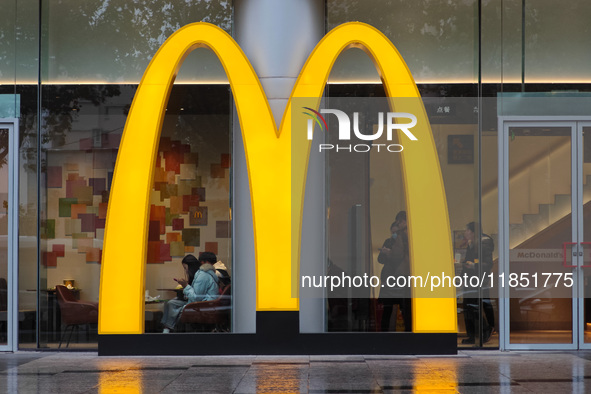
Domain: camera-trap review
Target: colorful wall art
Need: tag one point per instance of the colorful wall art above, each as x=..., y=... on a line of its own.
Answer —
x=189, y=208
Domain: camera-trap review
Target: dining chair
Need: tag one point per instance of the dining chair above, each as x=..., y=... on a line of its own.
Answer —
x=74, y=312
x=213, y=314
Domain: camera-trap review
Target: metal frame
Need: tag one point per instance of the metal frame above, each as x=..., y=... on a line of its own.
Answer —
x=12, y=240
x=575, y=123
x=581, y=259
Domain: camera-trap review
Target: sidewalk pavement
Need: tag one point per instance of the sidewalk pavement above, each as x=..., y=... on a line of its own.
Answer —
x=468, y=372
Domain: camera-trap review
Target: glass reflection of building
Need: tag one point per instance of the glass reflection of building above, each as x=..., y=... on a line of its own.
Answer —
x=70, y=85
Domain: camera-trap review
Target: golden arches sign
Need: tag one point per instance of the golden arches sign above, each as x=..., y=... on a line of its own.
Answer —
x=270, y=169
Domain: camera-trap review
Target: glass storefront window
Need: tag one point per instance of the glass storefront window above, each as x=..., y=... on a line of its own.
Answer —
x=437, y=39
x=190, y=202
x=82, y=131
x=439, y=42
x=113, y=41
x=89, y=74
x=19, y=48
x=4, y=228
x=73, y=100
x=366, y=208
x=554, y=32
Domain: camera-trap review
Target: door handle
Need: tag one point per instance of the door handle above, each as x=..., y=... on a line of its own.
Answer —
x=583, y=244
x=564, y=254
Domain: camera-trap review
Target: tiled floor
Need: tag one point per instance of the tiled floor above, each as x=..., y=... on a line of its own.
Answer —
x=468, y=372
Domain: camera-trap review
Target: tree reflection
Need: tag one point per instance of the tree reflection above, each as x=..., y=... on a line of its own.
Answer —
x=436, y=38
x=111, y=40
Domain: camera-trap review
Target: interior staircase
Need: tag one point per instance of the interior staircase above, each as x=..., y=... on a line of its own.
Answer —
x=546, y=217
x=535, y=208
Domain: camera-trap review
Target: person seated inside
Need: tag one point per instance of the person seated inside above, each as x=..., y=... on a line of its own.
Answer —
x=201, y=285
x=223, y=275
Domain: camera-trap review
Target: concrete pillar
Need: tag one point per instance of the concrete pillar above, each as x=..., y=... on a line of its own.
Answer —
x=277, y=36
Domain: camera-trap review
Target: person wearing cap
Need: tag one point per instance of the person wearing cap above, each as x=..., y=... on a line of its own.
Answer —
x=223, y=275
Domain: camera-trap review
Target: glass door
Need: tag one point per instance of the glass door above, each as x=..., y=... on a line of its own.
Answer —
x=584, y=229
x=8, y=234
x=539, y=194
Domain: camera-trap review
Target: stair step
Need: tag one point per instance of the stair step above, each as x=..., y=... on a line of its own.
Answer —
x=562, y=207
x=548, y=214
x=534, y=223
x=544, y=211
x=517, y=233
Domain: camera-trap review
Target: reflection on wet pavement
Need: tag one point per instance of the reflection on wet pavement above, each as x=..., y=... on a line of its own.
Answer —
x=468, y=372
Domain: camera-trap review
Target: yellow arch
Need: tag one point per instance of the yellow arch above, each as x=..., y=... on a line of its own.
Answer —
x=124, y=254
x=429, y=230
x=268, y=154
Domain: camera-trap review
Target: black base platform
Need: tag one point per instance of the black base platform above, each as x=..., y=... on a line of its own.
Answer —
x=278, y=334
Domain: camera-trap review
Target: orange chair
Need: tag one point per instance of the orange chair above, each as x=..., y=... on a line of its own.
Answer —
x=214, y=313
x=74, y=312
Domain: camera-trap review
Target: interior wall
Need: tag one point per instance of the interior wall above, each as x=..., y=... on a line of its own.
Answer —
x=348, y=173
x=189, y=205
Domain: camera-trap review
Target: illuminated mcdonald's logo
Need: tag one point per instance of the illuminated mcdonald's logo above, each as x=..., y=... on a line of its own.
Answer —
x=271, y=167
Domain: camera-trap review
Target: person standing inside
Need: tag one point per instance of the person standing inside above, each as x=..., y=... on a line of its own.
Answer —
x=472, y=265
x=394, y=255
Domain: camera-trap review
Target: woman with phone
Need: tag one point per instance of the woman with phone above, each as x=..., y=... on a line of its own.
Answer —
x=201, y=285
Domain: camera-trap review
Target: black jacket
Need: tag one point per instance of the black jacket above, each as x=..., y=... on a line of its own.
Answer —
x=486, y=260
x=395, y=264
